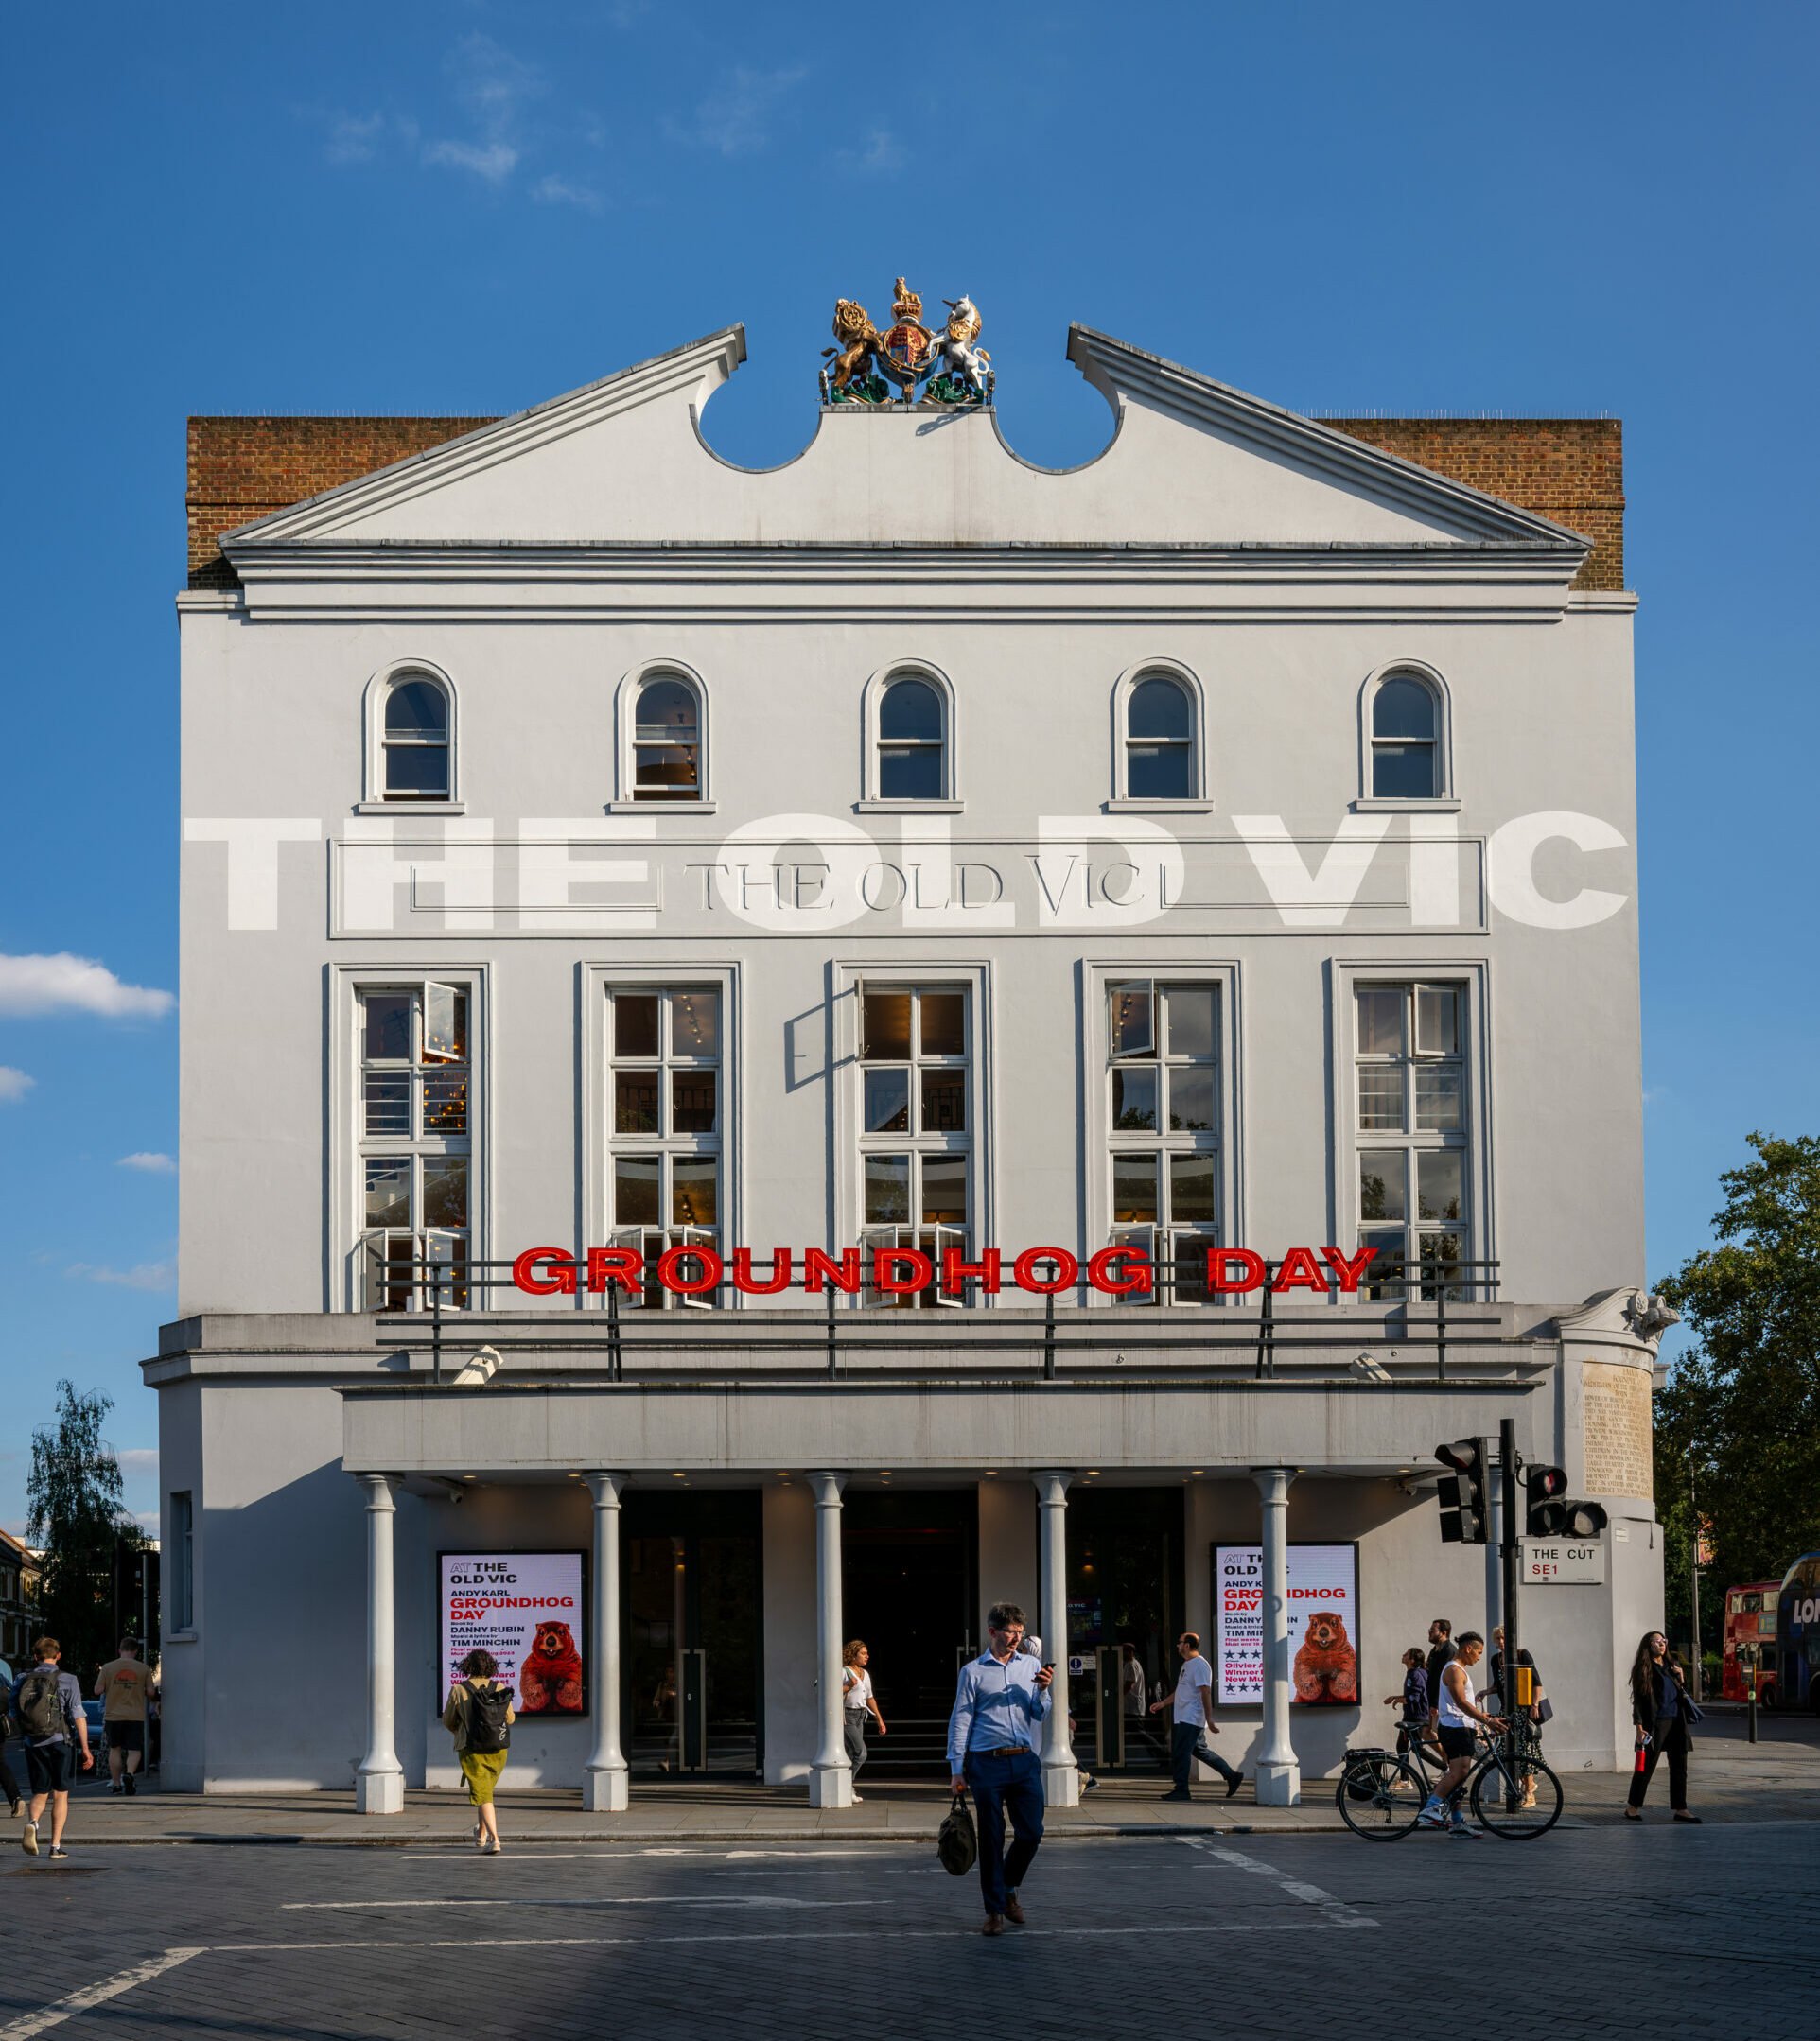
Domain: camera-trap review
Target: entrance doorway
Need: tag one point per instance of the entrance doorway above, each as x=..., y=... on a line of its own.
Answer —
x=690, y=1701
x=909, y=1588
x=1126, y=1586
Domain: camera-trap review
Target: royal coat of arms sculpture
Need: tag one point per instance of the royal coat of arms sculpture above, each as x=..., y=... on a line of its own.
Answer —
x=909, y=363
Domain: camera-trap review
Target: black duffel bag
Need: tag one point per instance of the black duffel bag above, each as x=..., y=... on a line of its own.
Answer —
x=956, y=1840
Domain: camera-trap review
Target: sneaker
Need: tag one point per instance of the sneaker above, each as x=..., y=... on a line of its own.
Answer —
x=132, y=1789
x=1458, y=1827
x=116, y=1788
x=28, y=1842
x=859, y=1799
x=12, y=1810
x=1172, y=1795
x=1233, y=1784
x=56, y=1849
x=1089, y=1784
x=1431, y=1818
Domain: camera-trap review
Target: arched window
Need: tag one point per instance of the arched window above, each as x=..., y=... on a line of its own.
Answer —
x=667, y=740
x=1160, y=763
x=913, y=743
x=1406, y=739
x=416, y=740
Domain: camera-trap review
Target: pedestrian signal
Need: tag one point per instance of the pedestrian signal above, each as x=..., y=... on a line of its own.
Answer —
x=1464, y=1494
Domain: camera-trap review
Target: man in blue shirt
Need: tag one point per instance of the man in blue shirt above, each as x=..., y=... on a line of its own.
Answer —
x=999, y=1707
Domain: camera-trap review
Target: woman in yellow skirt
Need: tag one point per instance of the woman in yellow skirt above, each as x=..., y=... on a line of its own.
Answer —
x=481, y=1714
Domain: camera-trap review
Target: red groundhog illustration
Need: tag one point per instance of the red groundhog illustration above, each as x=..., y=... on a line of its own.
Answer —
x=1326, y=1668
x=550, y=1680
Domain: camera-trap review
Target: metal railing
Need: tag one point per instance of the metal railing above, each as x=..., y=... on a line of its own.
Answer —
x=859, y=1327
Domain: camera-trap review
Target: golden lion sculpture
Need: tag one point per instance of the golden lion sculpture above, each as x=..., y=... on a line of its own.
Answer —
x=859, y=344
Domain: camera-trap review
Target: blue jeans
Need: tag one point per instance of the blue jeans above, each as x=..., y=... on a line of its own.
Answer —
x=1187, y=1742
x=1004, y=1785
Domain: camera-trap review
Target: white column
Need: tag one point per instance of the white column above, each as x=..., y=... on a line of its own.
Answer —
x=379, y=1782
x=1060, y=1777
x=830, y=1778
x=605, y=1782
x=1279, y=1775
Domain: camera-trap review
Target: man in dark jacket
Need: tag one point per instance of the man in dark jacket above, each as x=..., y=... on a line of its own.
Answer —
x=1442, y=1651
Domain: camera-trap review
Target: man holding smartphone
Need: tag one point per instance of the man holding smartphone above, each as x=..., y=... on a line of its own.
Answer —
x=1000, y=1704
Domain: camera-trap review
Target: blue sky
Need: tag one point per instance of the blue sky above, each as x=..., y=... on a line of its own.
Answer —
x=467, y=208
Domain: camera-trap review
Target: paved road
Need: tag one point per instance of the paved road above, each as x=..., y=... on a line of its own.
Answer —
x=1613, y=1932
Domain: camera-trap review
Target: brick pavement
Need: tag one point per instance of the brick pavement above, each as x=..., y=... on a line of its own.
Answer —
x=1679, y=1931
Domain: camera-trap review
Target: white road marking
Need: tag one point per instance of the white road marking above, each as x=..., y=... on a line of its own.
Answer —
x=635, y=1900
x=95, y=1995
x=964, y=1930
x=1337, y=1911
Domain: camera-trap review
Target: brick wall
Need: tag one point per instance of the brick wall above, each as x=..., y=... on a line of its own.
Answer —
x=1570, y=469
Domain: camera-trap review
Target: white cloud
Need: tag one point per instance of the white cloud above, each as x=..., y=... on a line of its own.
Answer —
x=142, y=1275
x=494, y=162
x=14, y=1084
x=152, y=1163
x=354, y=137
x=883, y=152
x=734, y=118
x=555, y=190
x=42, y=985
x=138, y=1460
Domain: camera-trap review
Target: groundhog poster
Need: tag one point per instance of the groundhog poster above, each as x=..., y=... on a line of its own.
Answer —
x=526, y=1609
x=1323, y=1625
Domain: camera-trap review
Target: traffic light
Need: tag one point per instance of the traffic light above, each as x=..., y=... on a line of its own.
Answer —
x=1550, y=1517
x=1465, y=1492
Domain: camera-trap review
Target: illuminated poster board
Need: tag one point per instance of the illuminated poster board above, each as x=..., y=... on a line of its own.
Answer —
x=1323, y=1625
x=527, y=1609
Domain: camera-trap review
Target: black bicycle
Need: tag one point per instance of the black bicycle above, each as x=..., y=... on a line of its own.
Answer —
x=1382, y=1794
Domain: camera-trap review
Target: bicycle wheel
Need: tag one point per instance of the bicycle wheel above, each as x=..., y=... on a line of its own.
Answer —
x=1534, y=1783
x=1379, y=1796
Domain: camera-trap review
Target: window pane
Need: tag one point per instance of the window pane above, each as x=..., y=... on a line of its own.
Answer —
x=1189, y=1011
x=444, y=1190
x=447, y=1275
x=910, y=773
x=1188, y=1266
x=634, y=1102
x=666, y=771
x=692, y=1101
x=1191, y=1189
x=666, y=713
x=695, y=1023
x=1437, y=1020
x=1402, y=772
x=885, y=1026
x=694, y=1184
x=888, y=1190
x=420, y=769
x=1159, y=772
x=1134, y=1098
x=1134, y=1190
x=388, y=1101
x=416, y=709
x=1404, y=708
x=1133, y=1021
x=635, y=1190
x=387, y=1033
x=944, y=1189
x=1380, y=1020
x=944, y=1101
x=1439, y=1175
x=445, y=1103
x=634, y=1023
x=388, y=1189
x=1191, y=1100
x=910, y=709
x=944, y=1023
x=1160, y=707
x=1380, y=1097
x=1382, y=1273
x=1382, y=1192
x=445, y=1024
x=887, y=1102
x=1436, y=1097
x=1444, y=1248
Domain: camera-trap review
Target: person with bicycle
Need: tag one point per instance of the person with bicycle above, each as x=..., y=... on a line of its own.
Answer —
x=1459, y=1720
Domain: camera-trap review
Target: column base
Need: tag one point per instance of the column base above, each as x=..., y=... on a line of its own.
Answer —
x=1279, y=1783
x=605, y=1789
x=378, y=1792
x=830, y=1786
x=1061, y=1785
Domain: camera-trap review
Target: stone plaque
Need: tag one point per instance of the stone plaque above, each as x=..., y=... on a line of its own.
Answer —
x=1617, y=1403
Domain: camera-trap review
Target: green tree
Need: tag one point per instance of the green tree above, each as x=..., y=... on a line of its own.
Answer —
x=75, y=1511
x=1738, y=1427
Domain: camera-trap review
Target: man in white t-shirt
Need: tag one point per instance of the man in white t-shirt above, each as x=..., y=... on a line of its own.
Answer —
x=1193, y=1721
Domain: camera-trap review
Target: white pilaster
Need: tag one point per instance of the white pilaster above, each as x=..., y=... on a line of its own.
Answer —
x=1279, y=1775
x=379, y=1782
x=1060, y=1777
x=604, y=1784
x=830, y=1778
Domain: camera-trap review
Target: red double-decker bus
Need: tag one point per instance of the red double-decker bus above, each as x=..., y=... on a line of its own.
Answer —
x=1750, y=1620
